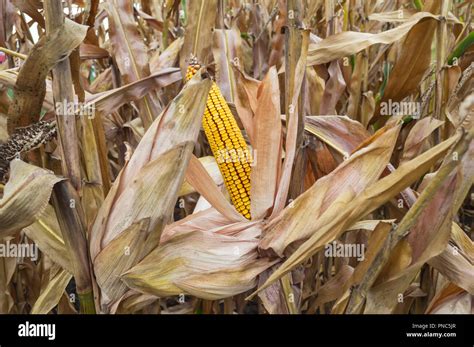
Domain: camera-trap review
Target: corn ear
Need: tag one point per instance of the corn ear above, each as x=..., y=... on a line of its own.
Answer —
x=227, y=144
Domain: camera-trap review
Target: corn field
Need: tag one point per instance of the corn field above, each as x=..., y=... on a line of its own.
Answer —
x=236, y=156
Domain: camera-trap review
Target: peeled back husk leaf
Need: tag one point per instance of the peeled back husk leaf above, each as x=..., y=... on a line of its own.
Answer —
x=148, y=185
x=202, y=263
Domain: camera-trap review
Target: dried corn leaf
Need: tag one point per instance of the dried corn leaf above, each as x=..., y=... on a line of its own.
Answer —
x=444, y=294
x=30, y=87
x=349, y=42
x=363, y=168
x=339, y=132
x=18, y=207
x=198, y=32
x=130, y=53
x=373, y=197
x=245, y=99
x=52, y=292
x=456, y=262
x=417, y=137
x=413, y=60
x=456, y=266
x=202, y=263
x=333, y=90
x=46, y=234
x=458, y=304
x=333, y=288
x=294, y=118
x=167, y=58
x=7, y=270
x=110, y=101
x=226, y=51
x=157, y=181
x=430, y=227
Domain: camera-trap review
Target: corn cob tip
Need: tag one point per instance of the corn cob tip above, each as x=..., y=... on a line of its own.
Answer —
x=193, y=67
x=193, y=60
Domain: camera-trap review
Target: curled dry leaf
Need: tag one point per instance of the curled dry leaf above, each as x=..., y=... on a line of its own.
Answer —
x=416, y=48
x=335, y=86
x=18, y=208
x=348, y=42
x=30, y=86
x=110, y=101
x=417, y=137
x=341, y=133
